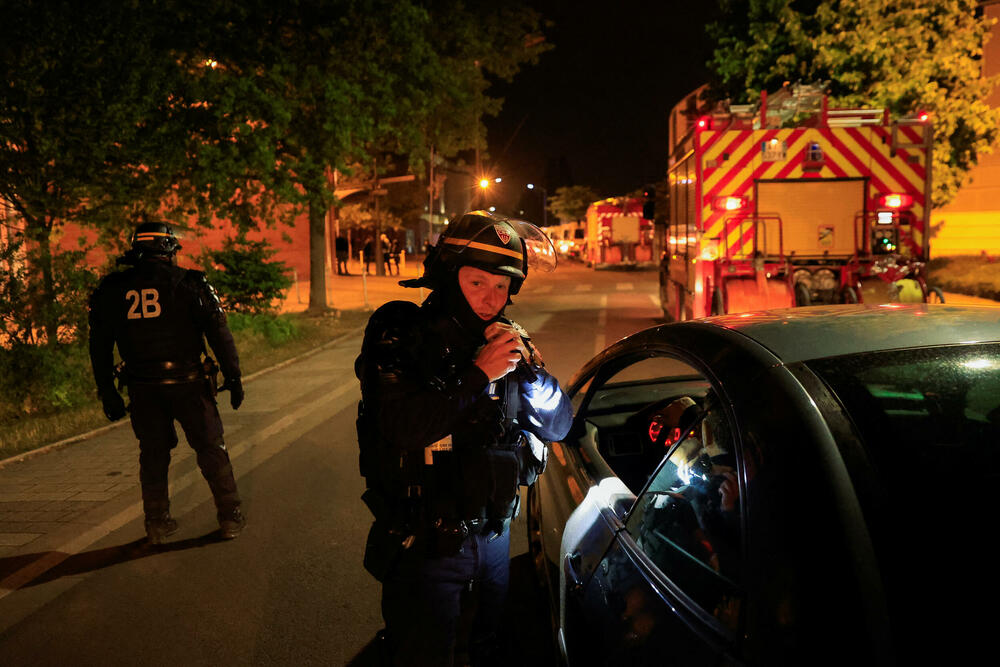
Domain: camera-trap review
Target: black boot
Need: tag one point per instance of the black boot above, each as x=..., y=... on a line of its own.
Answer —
x=231, y=523
x=159, y=527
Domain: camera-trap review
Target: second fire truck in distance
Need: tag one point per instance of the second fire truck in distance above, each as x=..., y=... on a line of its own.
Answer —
x=793, y=203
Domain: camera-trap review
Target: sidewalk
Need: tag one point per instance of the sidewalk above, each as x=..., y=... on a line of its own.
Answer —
x=356, y=291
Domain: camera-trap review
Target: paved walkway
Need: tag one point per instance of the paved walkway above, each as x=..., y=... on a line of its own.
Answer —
x=357, y=291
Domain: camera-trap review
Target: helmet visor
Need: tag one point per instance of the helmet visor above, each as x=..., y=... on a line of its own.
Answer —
x=540, y=252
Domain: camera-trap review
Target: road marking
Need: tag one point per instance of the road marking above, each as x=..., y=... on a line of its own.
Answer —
x=583, y=288
x=543, y=289
x=656, y=301
x=601, y=335
x=625, y=287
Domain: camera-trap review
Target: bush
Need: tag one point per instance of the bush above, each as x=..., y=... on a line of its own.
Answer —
x=242, y=274
x=25, y=311
x=275, y=329
x=43, y=379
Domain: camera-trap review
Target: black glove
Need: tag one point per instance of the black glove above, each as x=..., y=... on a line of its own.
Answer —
x=114, y=405
x=235, y=387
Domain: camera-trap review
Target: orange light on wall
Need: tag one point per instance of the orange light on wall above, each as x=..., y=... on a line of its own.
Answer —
x=895, y=201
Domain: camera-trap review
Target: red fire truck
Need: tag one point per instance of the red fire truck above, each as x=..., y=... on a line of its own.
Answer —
x=794, y=203
x=618, y=234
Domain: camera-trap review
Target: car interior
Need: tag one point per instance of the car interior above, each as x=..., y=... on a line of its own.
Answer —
x=631, y=425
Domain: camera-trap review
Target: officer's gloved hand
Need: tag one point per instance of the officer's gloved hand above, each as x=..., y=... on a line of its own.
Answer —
x=114, y=405
x=235, y=387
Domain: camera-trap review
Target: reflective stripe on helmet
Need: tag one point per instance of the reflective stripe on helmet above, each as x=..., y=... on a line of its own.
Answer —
x=151, y=236
x=486, y=247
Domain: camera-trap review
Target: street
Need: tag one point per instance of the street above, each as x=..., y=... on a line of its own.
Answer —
x=291, y=589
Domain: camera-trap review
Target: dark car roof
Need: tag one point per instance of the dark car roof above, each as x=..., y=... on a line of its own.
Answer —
x=799, y=334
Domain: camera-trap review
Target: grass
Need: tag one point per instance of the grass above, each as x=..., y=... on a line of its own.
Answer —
x=261, y=342
x=974, y=275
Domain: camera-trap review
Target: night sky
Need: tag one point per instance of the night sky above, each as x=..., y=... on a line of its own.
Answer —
x=594, y=110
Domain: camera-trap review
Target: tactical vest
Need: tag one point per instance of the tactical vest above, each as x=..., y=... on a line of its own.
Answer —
x=472, y=473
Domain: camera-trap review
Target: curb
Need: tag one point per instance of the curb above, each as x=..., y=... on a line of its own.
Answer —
x=24, y=456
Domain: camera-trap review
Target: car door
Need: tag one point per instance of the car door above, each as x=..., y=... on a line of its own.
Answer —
x=667, y=591
x=616, y=450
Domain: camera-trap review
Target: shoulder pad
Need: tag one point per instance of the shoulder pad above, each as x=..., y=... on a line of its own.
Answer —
x=395, y=314
x=198, y=281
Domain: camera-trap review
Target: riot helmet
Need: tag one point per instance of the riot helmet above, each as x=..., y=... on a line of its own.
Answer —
x=154, y=238
x=491, y=242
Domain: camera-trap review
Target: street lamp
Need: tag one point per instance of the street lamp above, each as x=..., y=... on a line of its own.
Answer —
x=545, y=203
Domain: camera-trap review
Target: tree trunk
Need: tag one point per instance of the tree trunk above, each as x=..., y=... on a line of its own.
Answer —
x=317, y=255
x=379, y=250
x=46, y=316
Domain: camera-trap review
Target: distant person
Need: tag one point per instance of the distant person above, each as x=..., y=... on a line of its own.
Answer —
x=394, y=251
x=343, y=254
x=369, y=254
x=159, y=316
x=384, y=238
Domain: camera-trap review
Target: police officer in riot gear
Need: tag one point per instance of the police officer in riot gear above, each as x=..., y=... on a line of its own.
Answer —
x=159, y=315
x=455, y=404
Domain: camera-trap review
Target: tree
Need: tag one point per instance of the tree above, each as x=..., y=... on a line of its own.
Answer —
x=340, y=82
x=80, y=139
x=571, y=202
x=902, y=55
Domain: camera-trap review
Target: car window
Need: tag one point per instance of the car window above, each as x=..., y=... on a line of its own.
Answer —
x=626, y=408
x=929, y=423
x=688, y=520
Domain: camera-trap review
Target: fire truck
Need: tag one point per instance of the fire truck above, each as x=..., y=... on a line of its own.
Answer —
x=618, y=234
x=791, y=203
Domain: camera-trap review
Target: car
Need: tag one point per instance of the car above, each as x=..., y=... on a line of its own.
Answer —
x=804, y=486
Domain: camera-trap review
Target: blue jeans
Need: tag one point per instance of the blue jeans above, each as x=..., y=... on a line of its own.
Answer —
x=430, y=603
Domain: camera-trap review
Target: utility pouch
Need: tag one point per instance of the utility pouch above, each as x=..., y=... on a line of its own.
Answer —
x=448, y=537
x=382, y=550
x=211, y=371
x=504, y=476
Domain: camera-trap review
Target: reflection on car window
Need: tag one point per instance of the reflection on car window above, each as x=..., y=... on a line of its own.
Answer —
x=622, y=420
x=688, y=519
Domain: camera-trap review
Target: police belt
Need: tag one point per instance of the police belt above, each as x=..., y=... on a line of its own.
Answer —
x=465, y=527
x=164, y=372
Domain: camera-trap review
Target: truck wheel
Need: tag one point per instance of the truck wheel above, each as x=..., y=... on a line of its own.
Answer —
x=802, y=296
x=935, y=295
x=849, y=295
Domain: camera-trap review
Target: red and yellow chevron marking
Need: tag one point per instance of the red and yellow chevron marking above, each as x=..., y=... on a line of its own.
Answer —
x=730, y=163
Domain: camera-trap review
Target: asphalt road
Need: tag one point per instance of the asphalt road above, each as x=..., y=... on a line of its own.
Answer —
x=291, y=590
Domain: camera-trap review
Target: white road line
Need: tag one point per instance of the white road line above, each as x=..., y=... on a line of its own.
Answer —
x=601, y=336
x=655, y=298
x=543, y=289
x=583, y=288
x=625, y=287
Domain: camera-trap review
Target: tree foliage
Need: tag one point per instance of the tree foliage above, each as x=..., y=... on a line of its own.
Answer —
x=571, y=202
x=903, y=55
x=247, y=279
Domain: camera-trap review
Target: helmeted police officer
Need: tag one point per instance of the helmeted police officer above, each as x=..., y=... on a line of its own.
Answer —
x=159, y=316
x=455, y=406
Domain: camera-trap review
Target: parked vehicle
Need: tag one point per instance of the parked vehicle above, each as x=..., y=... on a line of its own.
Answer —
x=618, y=234
x=791, y=203
x=800, y=486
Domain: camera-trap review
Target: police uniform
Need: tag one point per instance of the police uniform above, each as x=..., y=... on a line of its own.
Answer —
x=159, y=315
x=443, y=451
